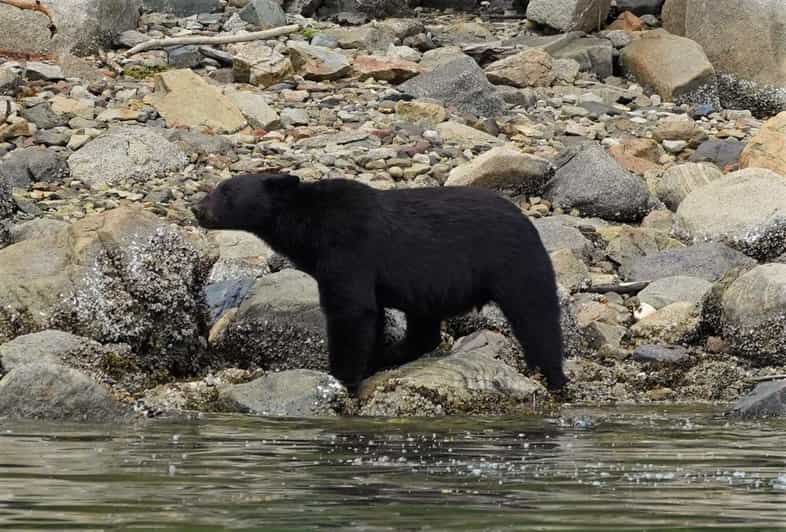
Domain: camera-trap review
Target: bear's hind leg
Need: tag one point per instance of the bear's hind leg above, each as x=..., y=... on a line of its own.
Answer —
x=534, y=317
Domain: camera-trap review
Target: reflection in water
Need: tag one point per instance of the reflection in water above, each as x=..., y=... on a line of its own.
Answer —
x=591, y=470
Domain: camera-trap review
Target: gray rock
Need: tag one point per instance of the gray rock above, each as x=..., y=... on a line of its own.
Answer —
x=378, y=9
x=131, y=38
x=318, y=63
x=43, y=116
x=469, y=380
x=83, y=26
x=591, y=53
x=722, y=153
x=56, y=393
x=184, y=56
x=38, y=228
x=279, y=325
x=241, y=255
x=557, y=236
x=460, y=83
x=127, y=152
x=122, y=276
x=754, y=314
x=668, y=290
x=188, y=140
x=307, y=8
x=680, y=180
x=182, y=8
x=745, y=209
x=7, y=208
x=264, y=13
x=9, y=80
x=668, y=354
x=768, y=399
x=222, y=296
x=709, y=261
x=35, y=164
x=45, y=347
x=569, y=15
x=596, y=185
x=293, y=393
x=36, y=70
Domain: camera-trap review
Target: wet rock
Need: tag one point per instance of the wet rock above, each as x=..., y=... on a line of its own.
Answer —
x=754, y=77
x=82, y=25
x=264, y=14
x=723, y=153
x=469, y=380
x=460, y=83
x=258, y=64
x=255, y=108
x=754, y=314
x=292, y=393
x=56, y=393
x=669, y=354
x=180, y=98
x=709, y=261
x=680, y=180
x=45, y=347
x=317, y=63
x=223, y=296
x=123, y=153
x=182, y=8
x=530, y=68
x=675, y=67
x=118, y=277
x=594, y=184
x=23, y=166
x=668, y=290
x=503, y=168
x=279, y=325
x=767, y=149
x=768, y=399
x=745, y=209
x=389, y=69
x=569, y=15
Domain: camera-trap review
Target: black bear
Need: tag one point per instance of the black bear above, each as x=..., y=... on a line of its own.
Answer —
x=432, y=253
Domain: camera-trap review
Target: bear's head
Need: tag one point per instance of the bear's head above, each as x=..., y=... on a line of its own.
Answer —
x=247, y=202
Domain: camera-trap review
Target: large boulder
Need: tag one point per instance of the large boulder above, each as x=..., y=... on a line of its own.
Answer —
x=754, y=314
x=503, y=168
x=569, y=15
x=180, y=98
x=709, y=261
x=318, y=63
x=460, y=84
x=123, y=276
x=126, y=153
x=593, y=183
x=767, y=149
x=83, y=26
x=768, y=399
x=745, y=209
x=36, y=163
x=682, y=179
x=292, y=393
x=54, y=392
x=674, y=67
x=751, y=73
x=45, y=347
x=471, y=379
x=264, y=13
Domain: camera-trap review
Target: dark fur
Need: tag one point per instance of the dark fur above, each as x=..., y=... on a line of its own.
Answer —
x=432, y=253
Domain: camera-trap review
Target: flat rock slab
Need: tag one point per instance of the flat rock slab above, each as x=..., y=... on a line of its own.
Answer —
x=181, y=96
x=768, y=399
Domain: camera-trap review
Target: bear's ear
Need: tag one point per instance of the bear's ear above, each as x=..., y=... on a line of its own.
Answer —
x=282, y=182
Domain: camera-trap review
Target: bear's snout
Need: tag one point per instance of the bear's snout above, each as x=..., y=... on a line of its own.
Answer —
x=203, y=214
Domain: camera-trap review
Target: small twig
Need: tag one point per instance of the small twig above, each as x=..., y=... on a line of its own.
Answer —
x=34, y=5
x=621, y=288
x=220, y=39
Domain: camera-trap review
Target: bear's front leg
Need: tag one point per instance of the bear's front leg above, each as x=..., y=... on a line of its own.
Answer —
x=352, y=332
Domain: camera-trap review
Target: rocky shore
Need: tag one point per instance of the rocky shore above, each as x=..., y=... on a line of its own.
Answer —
x=651, y=159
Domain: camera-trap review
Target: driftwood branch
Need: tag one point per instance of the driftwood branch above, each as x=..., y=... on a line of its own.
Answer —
x=218, y=39
x=621, y=288
x=767, y=378
x=34, y=5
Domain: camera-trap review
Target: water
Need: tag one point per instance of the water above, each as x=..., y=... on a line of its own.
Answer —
x=613, y=469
